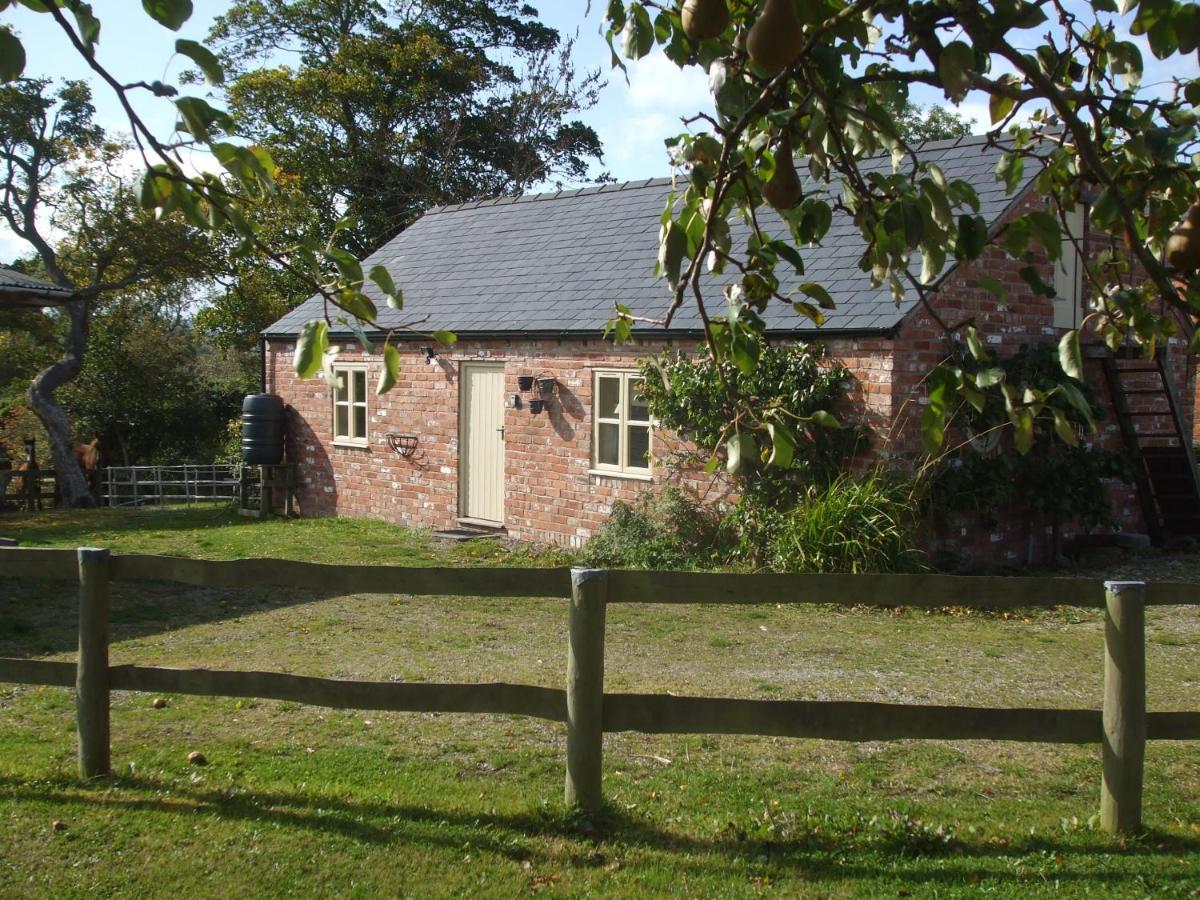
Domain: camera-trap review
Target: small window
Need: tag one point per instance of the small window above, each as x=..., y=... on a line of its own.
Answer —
x=621, y=423
x=350, y=405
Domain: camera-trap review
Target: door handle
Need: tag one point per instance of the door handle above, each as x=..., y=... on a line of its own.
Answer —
x=501, y=430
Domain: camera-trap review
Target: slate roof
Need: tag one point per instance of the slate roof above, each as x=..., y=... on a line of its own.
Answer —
x=553, y=264
x=18, y=289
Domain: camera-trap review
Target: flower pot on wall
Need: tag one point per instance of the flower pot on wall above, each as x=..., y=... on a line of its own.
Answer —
x=546, y=386
x=536, y=406
x=525, y=382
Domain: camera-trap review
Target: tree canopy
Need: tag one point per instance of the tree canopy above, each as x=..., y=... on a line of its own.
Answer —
x=825, y=79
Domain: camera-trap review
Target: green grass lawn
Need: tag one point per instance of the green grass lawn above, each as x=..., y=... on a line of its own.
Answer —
x=303, y=800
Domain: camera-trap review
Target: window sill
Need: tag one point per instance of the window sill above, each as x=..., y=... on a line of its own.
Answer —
x=351, y=445
x=627, y=476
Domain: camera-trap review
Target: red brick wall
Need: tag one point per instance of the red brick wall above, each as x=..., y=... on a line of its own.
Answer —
x=550, y=495
x=1024, y=318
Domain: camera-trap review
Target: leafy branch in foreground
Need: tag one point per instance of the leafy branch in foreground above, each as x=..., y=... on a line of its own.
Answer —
x=822, y=79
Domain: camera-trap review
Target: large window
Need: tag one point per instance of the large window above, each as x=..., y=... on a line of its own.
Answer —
x=621, y=424
x=350, y=405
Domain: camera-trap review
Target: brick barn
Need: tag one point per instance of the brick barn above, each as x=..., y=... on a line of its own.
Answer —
x=468, y=437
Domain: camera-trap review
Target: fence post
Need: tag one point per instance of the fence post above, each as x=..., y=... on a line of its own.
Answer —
x=585, y=688
x=1124, y=706
x=91, y=678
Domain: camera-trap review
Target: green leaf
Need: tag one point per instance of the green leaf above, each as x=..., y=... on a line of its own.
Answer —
x=199, y=117
x=986, y=378
x=12, y=56
x=818, y=293
x=204, y=58
x=383, y=279
x=1000, y=106
x=672, y=245
x=358, y=305
x=904, y=217
x=825, y=419
x=89, y=25
x=310, y=347
x=391, y=370
x=1045, y=227
x=348, y=267
x=954, y=69
x=1010, y=170
x=972, y=237
x=974, y=345
x=810, y=312
x=156, y=187
x=1022, y=420
x=744, y=350
x=637, y=39
x=783, y=445
x=1070, y=355
x=170, y=13
x=445, y=337
x=1063, y=428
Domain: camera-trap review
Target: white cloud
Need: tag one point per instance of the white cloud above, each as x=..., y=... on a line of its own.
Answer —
x=634, y=119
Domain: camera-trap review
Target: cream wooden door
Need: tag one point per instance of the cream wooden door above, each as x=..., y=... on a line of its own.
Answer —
x=481, y=466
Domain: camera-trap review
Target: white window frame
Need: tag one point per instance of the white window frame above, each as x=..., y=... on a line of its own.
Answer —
x=1068, y=271
x=623, y=469
x=351, y=402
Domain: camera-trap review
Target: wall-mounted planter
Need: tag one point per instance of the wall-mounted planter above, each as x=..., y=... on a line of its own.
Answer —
x=525, y=382
x=403, y=444
x=536, y=406
x=546, y=386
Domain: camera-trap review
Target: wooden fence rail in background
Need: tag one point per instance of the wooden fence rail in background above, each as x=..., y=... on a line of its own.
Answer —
x=1121, y=727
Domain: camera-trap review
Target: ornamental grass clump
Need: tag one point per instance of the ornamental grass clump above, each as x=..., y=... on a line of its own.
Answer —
x=854, y=525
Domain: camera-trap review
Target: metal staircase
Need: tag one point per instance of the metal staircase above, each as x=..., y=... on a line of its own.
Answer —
x=1148, y=412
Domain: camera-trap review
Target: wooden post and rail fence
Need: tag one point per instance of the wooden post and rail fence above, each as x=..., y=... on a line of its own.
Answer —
x=1122, y=726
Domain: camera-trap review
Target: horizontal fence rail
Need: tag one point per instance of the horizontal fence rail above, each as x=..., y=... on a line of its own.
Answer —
x=1122, y=727
x=159, y=485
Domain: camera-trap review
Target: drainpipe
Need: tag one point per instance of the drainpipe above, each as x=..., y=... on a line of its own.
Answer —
x=262, y=364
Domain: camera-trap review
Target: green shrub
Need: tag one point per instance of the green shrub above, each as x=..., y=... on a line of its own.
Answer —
x=669, y=529
x=855, y=525
x=692, y=397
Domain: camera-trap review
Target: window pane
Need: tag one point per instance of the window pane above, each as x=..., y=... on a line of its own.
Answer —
x=608, y=397
x=638, y=410
x=360, y=385
x=360, y=421
x=639, y=447
x=608, y=449
x=341, y=421
x=342, y=387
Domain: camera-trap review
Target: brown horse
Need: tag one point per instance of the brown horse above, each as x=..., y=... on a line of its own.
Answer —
x=87, y=455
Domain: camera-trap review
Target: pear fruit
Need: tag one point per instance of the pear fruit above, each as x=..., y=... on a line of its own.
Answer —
x=783, y=190
x=776, y=36
x=1183, y=246
x=704, y=20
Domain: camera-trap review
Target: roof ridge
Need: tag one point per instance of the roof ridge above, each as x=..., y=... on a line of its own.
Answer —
x=607, y=187
x=662, y=180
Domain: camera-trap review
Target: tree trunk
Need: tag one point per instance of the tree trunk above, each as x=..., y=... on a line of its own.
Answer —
x=71, y=480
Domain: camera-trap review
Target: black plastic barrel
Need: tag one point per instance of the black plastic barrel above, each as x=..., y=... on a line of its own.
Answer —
x=263, y=423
